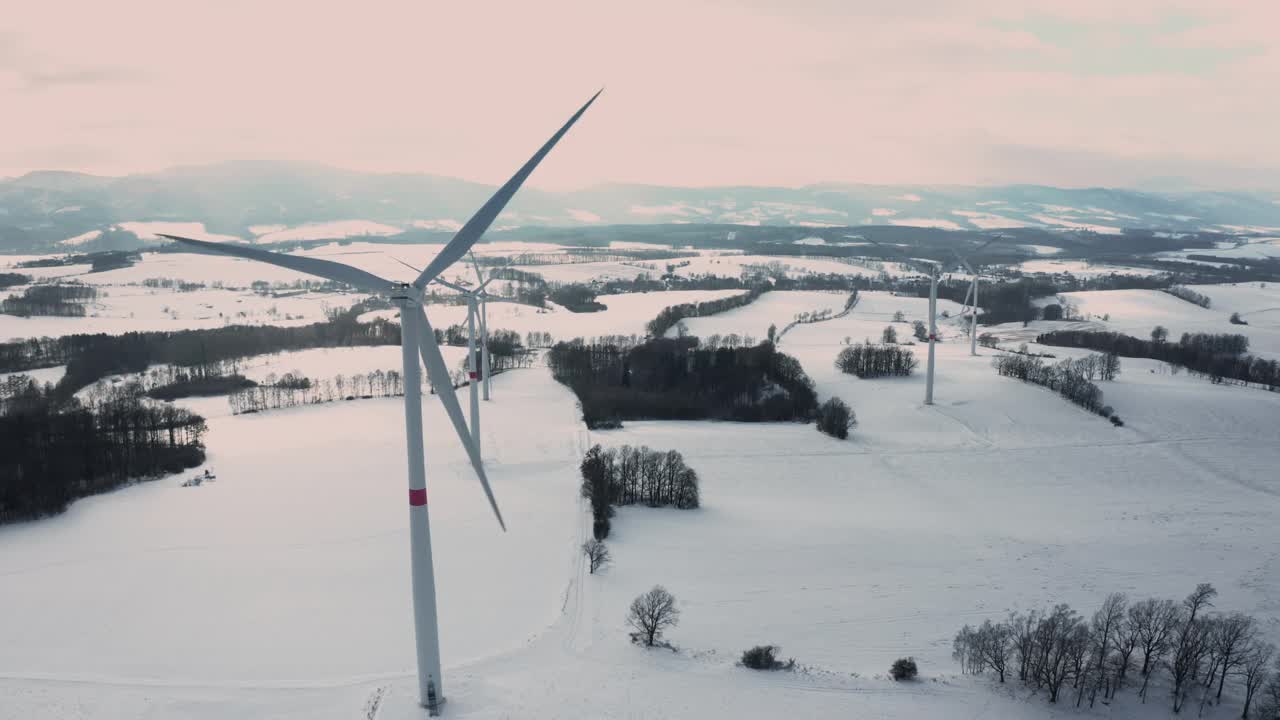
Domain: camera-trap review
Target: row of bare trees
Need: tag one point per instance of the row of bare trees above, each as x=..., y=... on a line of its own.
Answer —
x=1182, y=643
x=631, y=475
x=1072, y=379
x=291, y=390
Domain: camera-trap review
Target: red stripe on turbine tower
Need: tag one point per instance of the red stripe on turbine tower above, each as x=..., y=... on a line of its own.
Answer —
x=418, y=497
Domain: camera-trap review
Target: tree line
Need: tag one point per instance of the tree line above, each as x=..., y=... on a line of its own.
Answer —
x=674, y=379
x=635, y=476
x=669, y=316
x=1185, y=293
x=55, y=449
x=1220, y=357
x=1183, y=643
x=871, y=361
x=1072, y=379
x=62, y=300
x=8, y=280
x=91, y=357
x=289, y=390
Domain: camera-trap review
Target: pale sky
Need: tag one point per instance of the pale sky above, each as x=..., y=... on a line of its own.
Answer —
x=698, y=92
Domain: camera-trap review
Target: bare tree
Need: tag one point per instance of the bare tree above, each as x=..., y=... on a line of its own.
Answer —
x=1103, y=636
x=653, y=612
x=1234, y=635
x=994, y=646
x=597, y=554
x=1254, y=671
x=1191, y=643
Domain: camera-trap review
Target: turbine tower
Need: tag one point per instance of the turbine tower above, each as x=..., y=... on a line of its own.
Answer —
x=973, y=293
x=418, y=338
x=935, y=270
x=473, y=372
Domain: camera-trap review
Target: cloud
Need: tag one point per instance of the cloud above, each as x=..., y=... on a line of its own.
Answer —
x=699, y=92
x=35, y=72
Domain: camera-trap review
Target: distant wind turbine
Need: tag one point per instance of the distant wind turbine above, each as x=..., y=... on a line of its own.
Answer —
x=476, y=370
x=935, y=270
x=973, y=292
x=418, y=338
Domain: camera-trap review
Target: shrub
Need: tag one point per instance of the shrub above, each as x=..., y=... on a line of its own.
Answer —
x=764, y=657
x=600, y=528
x=904, y=669
x=835, y=417
x=1115, y=420
x=1237, y=320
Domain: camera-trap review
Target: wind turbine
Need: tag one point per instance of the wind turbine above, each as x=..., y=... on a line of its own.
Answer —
x=418, y=338
x=472, y=370
x=483, y=297
x=973, y=291
x=935, y=270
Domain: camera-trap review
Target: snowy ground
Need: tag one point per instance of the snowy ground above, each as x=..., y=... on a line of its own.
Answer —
x=1080, y=268
x=281, y=590
x=772, y=308
x=1136, y=312
x=121, y=309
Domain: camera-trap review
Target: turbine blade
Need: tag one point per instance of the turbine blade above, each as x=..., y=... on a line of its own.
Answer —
x=312, y=266
x=484, y=217
x=439, y=376
x=964, y=263
x=475, y=265
x=451, y=286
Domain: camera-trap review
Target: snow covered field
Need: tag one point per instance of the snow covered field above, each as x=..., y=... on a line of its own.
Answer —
x=773, y=308
x=1135, y=312
x=281, y=590
x=121, y=309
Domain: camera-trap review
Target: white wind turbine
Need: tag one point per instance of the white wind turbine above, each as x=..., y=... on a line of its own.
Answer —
x=935, y=270
x=473, y=372
x=418, y=338
x=973, y=293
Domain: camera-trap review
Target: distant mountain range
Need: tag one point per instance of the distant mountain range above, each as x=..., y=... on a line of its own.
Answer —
x=266, y=202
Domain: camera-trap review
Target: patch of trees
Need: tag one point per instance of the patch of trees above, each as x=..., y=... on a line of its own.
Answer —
x=291, y=390
x=98, y=260
x=200, y=387
x=1237, y=320
x=55, y=300
x=54, y=449
x=836, y=418
x=528, y=288
x=674, y=379
x=635, y=475
x=1220, y=357
x=91, y=357
x=1184, y=643
x=669, y=316
x=872, y=361
x=1186, y=293
x=1072, y=379
x=8, y=280
x=172, y=284
x=575, y=297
